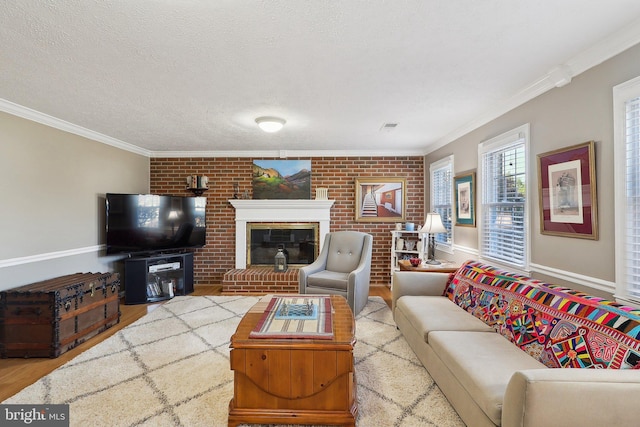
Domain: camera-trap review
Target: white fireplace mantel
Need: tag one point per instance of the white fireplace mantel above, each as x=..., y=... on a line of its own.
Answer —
x=248, y=210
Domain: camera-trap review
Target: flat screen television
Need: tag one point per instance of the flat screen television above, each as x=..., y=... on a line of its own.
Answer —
x=141, y=223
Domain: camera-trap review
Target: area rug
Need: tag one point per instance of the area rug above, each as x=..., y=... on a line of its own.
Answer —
x=171, y=368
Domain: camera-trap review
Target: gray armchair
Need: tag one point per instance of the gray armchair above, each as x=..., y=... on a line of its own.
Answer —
x=343, y=267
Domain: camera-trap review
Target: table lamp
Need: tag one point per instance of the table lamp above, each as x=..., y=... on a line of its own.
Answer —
x=432, y=225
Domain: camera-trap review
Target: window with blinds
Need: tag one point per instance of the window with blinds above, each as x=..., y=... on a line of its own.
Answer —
x=632, y=197
x=441, y=198
x=503, y=210
x=626, y=137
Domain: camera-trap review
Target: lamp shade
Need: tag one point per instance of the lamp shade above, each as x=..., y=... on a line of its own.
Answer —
x=270, y=124
x=433, y=224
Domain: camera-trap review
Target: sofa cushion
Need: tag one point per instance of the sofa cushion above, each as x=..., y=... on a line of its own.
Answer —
x=433, y=313
x=558, y=326
x=483, y=364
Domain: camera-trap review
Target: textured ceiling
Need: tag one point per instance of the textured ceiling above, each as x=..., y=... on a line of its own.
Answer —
x=191, y=76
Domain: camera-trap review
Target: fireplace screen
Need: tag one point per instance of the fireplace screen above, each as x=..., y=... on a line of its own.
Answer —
x=299, y=242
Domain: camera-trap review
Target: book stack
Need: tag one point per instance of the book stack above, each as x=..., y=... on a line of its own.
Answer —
x=197, y=181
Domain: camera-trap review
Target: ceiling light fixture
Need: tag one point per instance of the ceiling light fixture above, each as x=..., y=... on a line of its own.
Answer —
x=270, y=124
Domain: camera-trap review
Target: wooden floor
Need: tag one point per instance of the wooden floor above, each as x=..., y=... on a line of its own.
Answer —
x=16, y=374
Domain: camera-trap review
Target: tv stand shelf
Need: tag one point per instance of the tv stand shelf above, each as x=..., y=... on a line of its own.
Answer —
x=157, y=277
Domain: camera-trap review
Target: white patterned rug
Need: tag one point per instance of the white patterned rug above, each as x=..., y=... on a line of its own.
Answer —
x=171, y=368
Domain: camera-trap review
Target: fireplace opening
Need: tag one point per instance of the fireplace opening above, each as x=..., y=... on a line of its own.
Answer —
x=299, y=242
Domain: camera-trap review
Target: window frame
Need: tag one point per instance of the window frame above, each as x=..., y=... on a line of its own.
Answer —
x=622, y=93
x=512, y=137
x=446, y=162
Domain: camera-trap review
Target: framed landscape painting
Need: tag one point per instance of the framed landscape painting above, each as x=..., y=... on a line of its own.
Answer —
x=380, y=199
x=281, y=179
x=567, y=192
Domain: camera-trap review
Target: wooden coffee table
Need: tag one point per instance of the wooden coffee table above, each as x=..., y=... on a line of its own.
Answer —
x=292, y=380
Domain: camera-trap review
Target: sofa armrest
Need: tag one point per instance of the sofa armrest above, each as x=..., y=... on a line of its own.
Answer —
x=572, y=397
x=417, y=283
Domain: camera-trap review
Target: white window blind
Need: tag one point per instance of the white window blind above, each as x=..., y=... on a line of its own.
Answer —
x=626, y=150
x=503, y=201
x=632, y=192
x=441, y=198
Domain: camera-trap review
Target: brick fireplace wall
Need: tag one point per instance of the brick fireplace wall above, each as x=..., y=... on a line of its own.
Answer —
x=335, y=173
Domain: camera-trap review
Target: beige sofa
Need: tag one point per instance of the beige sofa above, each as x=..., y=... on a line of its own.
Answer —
x=494, y=376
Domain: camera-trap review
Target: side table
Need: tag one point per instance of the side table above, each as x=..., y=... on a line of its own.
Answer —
x=445, y=267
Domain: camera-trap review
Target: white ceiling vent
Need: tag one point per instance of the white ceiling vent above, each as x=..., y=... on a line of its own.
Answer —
x=388, y=127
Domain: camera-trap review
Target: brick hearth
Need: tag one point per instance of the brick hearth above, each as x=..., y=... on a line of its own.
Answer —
x=261, y=280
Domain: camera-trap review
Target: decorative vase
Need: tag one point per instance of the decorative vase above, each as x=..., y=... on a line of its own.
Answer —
x=322, y=193
x=399, y=244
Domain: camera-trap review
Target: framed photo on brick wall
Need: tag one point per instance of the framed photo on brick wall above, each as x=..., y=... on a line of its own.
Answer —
x=380, y=199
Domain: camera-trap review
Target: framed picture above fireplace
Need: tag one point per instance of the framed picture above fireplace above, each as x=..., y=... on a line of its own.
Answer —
x=282, y=179
x=380, y=199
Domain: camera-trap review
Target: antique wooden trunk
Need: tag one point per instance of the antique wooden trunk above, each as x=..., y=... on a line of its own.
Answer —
x=48, y=318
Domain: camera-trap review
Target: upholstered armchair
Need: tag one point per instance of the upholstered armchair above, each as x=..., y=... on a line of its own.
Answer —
x=343, y=267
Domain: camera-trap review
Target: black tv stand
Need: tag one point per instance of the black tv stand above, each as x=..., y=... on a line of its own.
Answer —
x=157, y=277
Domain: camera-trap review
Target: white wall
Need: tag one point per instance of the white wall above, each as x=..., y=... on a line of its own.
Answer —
x=576, y=113
x=52, y=188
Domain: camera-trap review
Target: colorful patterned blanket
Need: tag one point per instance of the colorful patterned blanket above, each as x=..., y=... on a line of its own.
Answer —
x=560, y=327
x=296, y=317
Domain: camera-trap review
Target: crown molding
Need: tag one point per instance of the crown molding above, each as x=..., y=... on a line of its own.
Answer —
x=607, y=48
x=47, y=120
x=283, y=154
x=559, y=76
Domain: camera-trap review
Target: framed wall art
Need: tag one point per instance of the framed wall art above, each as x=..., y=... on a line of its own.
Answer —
x=281, y=179
x=380, y=199
x=464, y=188
x=567, y=192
